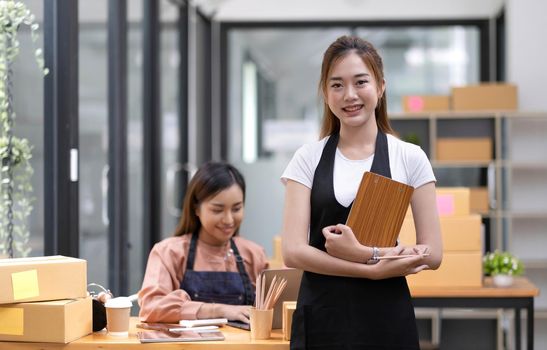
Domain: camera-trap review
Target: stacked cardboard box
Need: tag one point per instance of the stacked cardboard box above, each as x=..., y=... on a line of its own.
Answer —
x=426, y=103
x=485, y=96
x=276, y=262
x=44, y=299
x=462, y=242
x=464, y=149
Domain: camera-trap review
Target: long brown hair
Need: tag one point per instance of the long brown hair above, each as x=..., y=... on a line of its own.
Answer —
x=336, y=51
x=210, y=179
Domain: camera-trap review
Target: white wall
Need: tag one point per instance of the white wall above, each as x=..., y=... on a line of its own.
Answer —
x=527, y=51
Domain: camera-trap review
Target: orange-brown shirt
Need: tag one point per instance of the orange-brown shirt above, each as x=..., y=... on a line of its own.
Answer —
x=162, y=300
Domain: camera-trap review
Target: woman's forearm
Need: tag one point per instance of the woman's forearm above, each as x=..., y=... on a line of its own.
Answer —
x=308, y=258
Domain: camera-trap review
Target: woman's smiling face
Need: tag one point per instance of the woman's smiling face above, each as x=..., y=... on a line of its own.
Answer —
x=221, y=215
x=352, y=91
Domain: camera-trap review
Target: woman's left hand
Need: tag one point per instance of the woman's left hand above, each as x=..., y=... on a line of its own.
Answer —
x=340, y=242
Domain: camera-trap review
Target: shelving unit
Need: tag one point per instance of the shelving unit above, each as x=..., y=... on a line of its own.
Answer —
x=516, y=177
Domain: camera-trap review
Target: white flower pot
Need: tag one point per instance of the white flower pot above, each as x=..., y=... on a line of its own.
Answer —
x=503, y=280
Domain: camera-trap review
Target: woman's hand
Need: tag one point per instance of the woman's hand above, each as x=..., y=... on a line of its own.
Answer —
x=388, y=268
x=340, y=242
x=406, y=250
x=233, y=312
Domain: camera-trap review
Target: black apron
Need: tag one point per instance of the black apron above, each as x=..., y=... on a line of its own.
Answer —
x=349, y=313
x=232, y=288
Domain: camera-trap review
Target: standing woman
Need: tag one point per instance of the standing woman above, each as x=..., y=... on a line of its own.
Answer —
x=206, y=270
x=348, y=298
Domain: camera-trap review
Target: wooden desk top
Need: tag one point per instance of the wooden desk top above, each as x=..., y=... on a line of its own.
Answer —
x=522, y=288
x=236, y=339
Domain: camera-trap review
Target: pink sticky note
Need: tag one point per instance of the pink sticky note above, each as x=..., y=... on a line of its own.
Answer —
x=445, y=204
x=415, y=103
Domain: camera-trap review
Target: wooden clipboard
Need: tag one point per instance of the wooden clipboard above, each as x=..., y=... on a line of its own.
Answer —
x=378, y=210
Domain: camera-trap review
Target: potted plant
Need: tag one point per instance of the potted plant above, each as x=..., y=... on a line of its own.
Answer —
x=502, y=266
x=15, y=152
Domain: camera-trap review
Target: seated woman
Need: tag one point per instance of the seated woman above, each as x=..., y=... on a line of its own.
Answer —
x=206, y=270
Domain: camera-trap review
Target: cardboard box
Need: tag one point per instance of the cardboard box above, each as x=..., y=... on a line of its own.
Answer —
x=59, y=321
x=288, y=311
x=451, y=201
x=459, y=233
x=485, y=97
x=426, y=103
x=42, y=278
x=464, y=149
x=456, y=270
x=479, y=201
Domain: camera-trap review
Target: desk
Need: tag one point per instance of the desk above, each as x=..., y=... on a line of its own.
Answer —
x=236, y=339
x=519, y=296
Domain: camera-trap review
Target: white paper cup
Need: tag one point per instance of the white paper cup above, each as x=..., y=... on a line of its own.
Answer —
x=117, y=316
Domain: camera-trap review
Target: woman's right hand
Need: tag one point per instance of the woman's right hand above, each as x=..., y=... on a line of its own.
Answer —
x=399, y=267
x=234, y=312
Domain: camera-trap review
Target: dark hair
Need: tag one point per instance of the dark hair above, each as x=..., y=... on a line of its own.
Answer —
x=210, y=179
x=338, y=50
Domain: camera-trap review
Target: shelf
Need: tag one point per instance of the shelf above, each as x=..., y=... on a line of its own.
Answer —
x=446, y=115
x=534, y=263
x=526, y=115
x=468, y=115
x=523, y=215
x=516, y=176
x=460, y=164
x=539, y=165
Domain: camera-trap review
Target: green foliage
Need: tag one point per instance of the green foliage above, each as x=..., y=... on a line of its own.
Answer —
x=20, y=151
x=412, y=138
x=502, y=263
x=12, y=16
x=15, y=168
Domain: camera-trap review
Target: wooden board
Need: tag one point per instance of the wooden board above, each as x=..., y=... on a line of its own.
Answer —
x=379, y=210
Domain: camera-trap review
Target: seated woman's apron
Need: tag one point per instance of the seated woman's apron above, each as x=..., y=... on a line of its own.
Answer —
x=349, y=313
x=214, y=286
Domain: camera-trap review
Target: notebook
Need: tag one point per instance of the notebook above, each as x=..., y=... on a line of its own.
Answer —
x=290, y=293
x=379, y=209
x=184, y=336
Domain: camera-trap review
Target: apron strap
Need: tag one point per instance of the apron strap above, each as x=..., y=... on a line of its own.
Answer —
x=192, y=251
x=249, y=295
x=380, y=164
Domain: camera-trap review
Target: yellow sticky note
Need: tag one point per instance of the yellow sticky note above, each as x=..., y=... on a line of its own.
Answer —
x=12, y=321
x=25, y=284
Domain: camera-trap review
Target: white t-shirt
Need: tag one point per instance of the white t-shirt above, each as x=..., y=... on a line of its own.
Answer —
x=408, y=164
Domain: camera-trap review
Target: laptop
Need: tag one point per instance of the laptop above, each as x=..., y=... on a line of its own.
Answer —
x=290, y=293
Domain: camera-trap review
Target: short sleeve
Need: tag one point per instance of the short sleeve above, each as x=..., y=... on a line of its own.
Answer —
x=302, y=166
x=420, y=171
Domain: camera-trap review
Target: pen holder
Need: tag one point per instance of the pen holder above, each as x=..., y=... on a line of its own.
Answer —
x=261, y=323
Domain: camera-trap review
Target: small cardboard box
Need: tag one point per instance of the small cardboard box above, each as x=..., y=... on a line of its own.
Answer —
x=464, y=149
x=42, y=278
x=288, y=311
x=59, y=321
x=426, y=103
x=459, y=233
x=478, y=198
x=485, y=97
x=456, y=270
x=453, y=201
